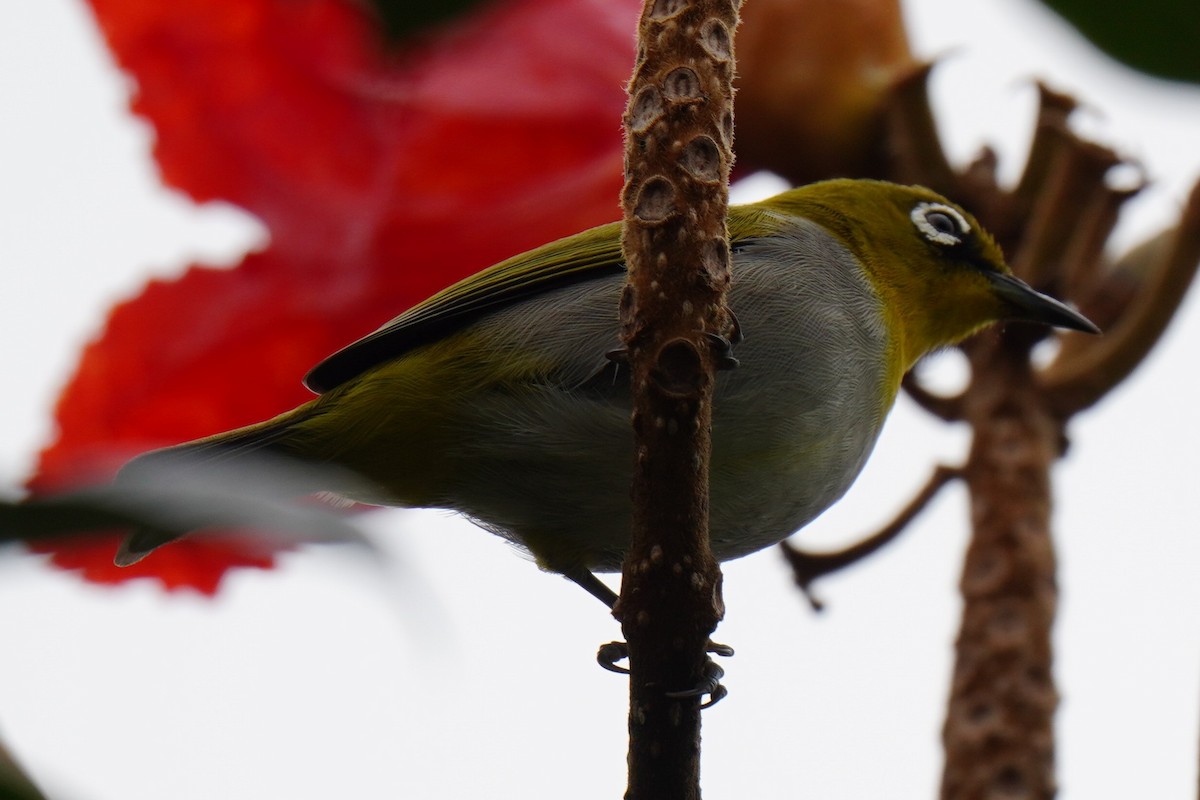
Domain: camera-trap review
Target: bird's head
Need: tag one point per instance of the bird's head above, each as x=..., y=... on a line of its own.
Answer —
x=939, y=274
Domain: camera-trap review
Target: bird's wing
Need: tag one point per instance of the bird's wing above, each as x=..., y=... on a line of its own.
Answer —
x=588, y=256
x=551, y=266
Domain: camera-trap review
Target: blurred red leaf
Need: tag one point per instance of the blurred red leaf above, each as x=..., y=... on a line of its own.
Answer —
x=382, y=175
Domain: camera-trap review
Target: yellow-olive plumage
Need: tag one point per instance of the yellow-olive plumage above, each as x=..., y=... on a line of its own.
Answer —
x=495, y=397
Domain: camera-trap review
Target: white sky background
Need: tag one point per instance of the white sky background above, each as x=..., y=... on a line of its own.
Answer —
x=457, y=669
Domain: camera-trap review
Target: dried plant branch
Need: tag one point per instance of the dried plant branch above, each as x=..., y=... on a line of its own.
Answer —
x=947, y=408
x=808, y=566
x=980, y=174
x=678, y=132
x=1083, y=257
x=1103, y=295
x=914, y=147
x=1075, y=170
x=1054, y=110
x=1080, y=380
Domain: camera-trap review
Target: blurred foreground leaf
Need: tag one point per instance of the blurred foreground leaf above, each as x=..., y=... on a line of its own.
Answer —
x=14, y=784
x=255, y=501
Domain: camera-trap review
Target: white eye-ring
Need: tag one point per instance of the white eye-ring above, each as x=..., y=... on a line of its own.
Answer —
x=940, y=223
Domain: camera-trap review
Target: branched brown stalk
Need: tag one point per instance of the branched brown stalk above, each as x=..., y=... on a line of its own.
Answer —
x=947, y=408
x=679, y=132
x=1054, y=226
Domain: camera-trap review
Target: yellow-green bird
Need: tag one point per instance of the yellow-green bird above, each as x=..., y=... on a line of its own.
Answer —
x=495, y=398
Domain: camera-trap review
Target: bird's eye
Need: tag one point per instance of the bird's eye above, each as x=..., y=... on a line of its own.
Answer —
x=940, y=223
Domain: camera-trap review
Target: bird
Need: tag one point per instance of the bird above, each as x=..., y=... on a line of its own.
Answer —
x=496, y=397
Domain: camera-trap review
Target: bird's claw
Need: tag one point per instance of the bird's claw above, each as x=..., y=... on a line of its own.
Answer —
x=718, y=649
x=723, y=349
x=619, y=355
x=609, y=654
x=710, y=683
x=735, y=328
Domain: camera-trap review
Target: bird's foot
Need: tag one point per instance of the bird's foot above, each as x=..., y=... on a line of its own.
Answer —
x=710, y=683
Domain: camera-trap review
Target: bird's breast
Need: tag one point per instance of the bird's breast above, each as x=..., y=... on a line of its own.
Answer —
x=794, y=424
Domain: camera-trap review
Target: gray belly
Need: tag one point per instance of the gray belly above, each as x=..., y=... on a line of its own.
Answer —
x=548, y=465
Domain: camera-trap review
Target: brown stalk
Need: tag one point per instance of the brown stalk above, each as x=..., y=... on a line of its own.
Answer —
x=678, y=132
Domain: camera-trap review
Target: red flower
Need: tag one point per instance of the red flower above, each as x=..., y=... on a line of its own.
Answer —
x=382, y=175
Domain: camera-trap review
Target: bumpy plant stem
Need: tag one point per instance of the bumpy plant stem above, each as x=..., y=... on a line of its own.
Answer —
x=679, y=131
x=998, y=733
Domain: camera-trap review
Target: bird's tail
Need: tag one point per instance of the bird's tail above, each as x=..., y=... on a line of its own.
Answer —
x=259, y=459
x=263, y=439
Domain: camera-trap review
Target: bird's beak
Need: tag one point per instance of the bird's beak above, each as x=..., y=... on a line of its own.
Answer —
x=1028, y=305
